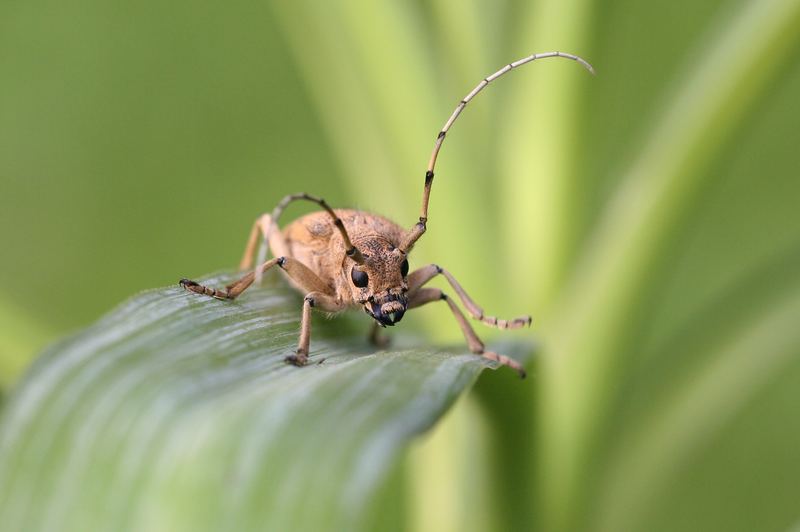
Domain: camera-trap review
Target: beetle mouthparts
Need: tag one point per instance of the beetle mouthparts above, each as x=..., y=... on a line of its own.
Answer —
x=389, y=312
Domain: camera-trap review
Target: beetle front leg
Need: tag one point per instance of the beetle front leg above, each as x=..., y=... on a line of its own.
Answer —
x=312, y=299
x=423, y=296
x=420, y=277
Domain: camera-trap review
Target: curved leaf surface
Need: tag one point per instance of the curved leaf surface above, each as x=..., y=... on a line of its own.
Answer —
x=177, y=412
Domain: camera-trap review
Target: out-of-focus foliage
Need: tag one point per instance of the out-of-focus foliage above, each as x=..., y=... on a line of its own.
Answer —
x=646, y=217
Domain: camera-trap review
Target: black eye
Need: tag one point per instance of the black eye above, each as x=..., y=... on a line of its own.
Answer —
x=360, y=279
x=404, y=268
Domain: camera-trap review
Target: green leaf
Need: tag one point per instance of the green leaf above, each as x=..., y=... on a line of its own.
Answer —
x=177, y=412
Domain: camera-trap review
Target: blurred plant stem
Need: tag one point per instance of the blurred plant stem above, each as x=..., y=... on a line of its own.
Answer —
x=20, y=339
x=730, y=74
x=716, y=393
x=449, y=473
x=538, y=150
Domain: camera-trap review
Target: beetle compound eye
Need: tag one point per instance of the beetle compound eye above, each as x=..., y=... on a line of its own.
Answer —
x=404, y=268
x=360, y=279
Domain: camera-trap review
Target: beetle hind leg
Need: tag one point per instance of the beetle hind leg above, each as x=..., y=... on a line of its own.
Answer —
x=267, y=229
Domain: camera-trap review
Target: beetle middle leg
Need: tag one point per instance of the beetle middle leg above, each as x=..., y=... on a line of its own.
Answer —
x=318, y=294
x=420, y=277
x=428, y=295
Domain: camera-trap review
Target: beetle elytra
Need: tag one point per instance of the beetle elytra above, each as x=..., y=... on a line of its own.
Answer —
x=342, y=258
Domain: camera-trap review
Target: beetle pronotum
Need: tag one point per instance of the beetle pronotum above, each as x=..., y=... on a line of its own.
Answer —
x=342, y=258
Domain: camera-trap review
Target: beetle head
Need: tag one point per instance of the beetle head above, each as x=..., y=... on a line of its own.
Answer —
x=380, y=283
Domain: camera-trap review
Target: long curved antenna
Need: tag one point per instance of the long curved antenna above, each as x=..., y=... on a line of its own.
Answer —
x=350, y=249
x=417, y=231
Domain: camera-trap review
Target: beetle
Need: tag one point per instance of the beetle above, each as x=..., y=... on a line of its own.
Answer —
x=343, y=258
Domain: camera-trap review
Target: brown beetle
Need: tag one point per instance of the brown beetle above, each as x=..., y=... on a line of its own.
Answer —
x=343, y=258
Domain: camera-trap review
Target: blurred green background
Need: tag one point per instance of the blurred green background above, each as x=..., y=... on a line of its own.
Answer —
x=646, y=217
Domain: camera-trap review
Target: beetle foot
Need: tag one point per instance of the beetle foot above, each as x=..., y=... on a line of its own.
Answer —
x=297, y=359
x=188, y=284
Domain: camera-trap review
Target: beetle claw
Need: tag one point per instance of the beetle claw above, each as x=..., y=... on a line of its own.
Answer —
x=296, y=360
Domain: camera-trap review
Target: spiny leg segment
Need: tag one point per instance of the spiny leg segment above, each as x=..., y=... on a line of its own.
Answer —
x=428, y=295
x=419, y=228
x=422, y=276
x=313, y=299
x=233, y=290
x=317, y=294
x=299, y=272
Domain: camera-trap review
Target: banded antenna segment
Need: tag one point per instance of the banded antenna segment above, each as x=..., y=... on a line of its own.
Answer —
x=417, y=231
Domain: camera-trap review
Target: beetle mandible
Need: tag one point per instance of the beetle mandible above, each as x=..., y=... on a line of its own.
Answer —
x=342, y=258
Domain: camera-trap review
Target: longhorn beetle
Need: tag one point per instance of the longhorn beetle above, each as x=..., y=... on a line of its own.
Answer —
x=342, y=258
